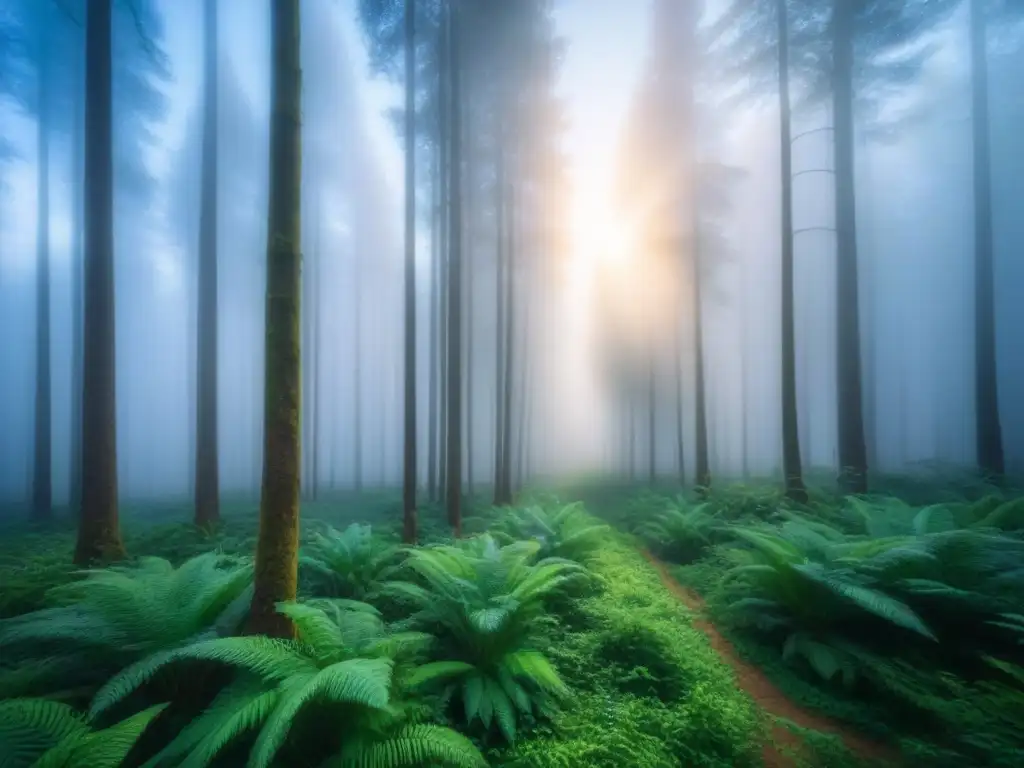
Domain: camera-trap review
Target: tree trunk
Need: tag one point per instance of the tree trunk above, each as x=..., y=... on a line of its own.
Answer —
x=444, y=139
x=409, y=452
x=500, y=278
x=42, y=472
x=989, y=429
x=454, y=436
x=357, y=372
x=791, y=464
x=99, y=529
x=680, y=410
x=511, y=259
x=853, y=458
x=435, y=310
x=276, y=573
x=652, y=421
x=207, y=491
x=77, y=299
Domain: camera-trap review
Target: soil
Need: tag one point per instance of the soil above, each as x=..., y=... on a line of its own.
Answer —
x=766, y=695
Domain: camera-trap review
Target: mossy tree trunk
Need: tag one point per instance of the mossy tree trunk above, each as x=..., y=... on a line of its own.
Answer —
x=207, y=486
x=276, y=574
x=99, y=531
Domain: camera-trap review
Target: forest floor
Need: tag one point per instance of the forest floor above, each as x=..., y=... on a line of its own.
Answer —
x=785, y=745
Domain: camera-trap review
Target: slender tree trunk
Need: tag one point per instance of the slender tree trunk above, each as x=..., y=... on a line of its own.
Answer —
x=444, y=99
x=315, y=355
x=512, y=259
x=700, y=417
x=276, y=574
x=42, y=473
x=852, y=446
x=435, y=310
x=791, y=463
x=652, y=421
x=454, y=444
x=500, y=278
x=77, y=298
x=99, y=529
x=989, y=428
x=207, y=492
x=357, y=373
x=409, y=454
x=467, y=293
x=680, y=410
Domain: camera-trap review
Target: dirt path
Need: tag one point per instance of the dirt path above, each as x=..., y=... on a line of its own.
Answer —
x=766, y=695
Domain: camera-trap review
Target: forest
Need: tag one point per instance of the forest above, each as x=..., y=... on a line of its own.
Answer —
x=514, y=383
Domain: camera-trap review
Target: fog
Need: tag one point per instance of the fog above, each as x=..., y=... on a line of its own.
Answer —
x=588, y=320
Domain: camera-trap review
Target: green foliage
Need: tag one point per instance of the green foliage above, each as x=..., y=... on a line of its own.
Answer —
x=115, y=615
x=564, y=531
x=47, y=734
x=485, y=603
x=649, y=689
x=679, y=533
x=350, y=564
x=342, y=677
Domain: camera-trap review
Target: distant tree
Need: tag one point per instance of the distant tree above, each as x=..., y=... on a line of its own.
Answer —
x=207, y=487
x=276, y=573
x=849, y=53
x=409, y=476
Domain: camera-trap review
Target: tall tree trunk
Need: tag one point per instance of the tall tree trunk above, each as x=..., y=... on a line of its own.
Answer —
x=77, y=298
x=500, y=278
x=989, y=427
x=436, y=273
x=409, y=454
x=276, y=573
x=652, y=421
x=511, y=260
x=444, y=139
x=792, y=466
x=467, y=296
x=454, y=437
x=357, y=372
x=207, y=492
x=852, y=447
x=315, y=355
x=680, y=410
x=99, y=529
x=42, y=471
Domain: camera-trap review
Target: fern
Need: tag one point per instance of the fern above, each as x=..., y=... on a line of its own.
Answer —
x=485, y=603
x=343, y=657
x=119, y=614
x=347, y=564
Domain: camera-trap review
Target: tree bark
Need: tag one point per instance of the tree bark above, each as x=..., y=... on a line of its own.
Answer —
x=791, y=463
x=852, y=446
x=207, y=490
x=99, y=530
x=409, y=453
x=989, y=428
x=276, y=573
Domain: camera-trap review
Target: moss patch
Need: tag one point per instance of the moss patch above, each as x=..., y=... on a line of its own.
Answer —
x=650, y=689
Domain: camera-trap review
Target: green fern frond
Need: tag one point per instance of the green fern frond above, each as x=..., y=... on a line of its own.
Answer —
x=415, y=745
x=366, y=682
x=29, y=727
x=106, y=748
